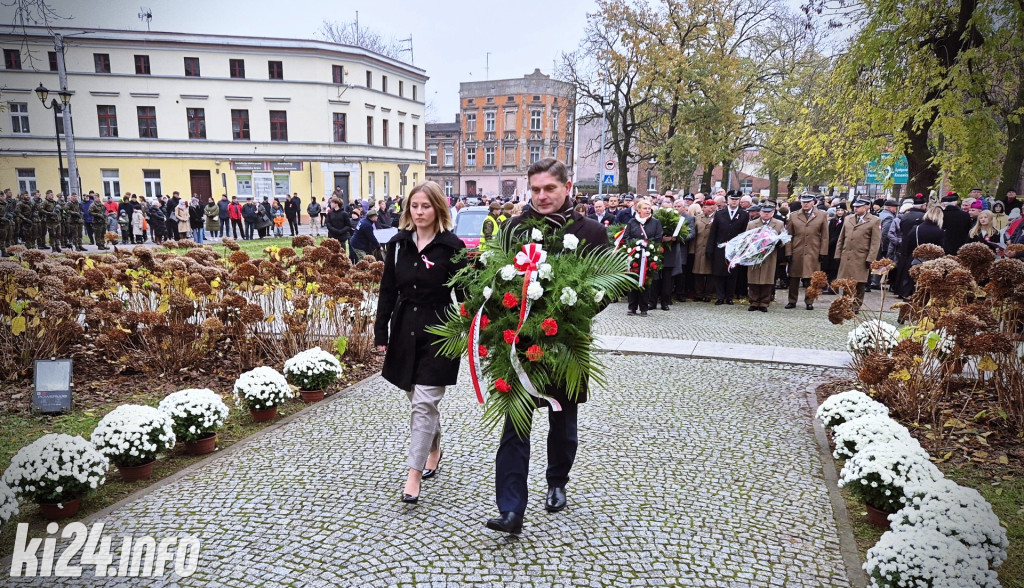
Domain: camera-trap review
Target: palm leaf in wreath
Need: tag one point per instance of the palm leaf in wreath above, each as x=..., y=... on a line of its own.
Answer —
x=517, y=404
x=453, y=336
x=609, y=271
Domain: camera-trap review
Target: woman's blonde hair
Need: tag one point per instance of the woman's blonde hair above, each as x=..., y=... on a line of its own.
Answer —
x=934, y=214
x=991, y=230
x=442, y=216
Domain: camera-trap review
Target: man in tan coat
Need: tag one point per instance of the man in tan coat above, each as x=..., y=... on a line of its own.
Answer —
x=761, y=277
x=857, y=247
x=809, y=229
x=702, y=284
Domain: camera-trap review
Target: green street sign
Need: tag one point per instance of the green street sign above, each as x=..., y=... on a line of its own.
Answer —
x=886, y=168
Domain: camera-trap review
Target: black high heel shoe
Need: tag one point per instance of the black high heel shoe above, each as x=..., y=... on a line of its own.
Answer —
x=430, y=473
x=409, y=498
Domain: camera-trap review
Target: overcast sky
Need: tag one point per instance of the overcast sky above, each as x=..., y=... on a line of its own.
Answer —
x=451, y=38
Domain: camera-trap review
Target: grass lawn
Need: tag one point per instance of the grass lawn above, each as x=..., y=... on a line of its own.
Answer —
x=254, y=247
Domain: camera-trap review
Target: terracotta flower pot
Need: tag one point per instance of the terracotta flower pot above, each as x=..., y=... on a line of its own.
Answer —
x=878, y=517
x=267, y=414
x=139, y=472
x=202, y=446
x=54, y=511
x=311, y=395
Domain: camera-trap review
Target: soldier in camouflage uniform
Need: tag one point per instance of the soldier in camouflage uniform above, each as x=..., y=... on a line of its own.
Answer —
x=50, y=212
x=98, y=212
x=75, y=222
x=38, y=222
x=26, y=221
x=5, y=224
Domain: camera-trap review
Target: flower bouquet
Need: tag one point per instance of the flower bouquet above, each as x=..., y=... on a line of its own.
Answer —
x=880, y=474
x=672, y=222
x=262, y=390
x=846, y=406
x=525, y=322
x=754, y=246
x=857, y=434
x=645, y=260
x=8, y=504
x=131, y=435
x=313, y=370
x=922, y=556
x=195, y=414
x=56, y=468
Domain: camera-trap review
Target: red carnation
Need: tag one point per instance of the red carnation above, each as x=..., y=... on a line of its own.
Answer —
x=463, y=311
x=509, y=300
x=502, y=386
x=549, y=326
x=534, y=353
x=511, y=337
x=484, y=321
x=654, y=266
x=482, y=351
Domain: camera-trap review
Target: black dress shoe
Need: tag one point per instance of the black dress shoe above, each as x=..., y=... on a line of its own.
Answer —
x=409, y=498
x=508, y=522
x=763, y=309
x=729, y=302
x=643, y=313
x=810, y=307
x=751, y=308
x=664, y=307
x=630, y=312
x=719, y=302
x=791, y=305
x=430, y=473
x=555, y=500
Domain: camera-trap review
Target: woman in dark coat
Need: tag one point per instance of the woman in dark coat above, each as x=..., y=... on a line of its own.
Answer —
x=418, y=263
x=835, y=226
x=927, y=231
x=642, y=226
x=337, y=224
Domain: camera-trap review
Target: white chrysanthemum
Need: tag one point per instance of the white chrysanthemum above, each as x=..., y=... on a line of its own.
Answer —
x=56, y=461
x=262, y=388
x=958, y=512
x=599, y=296
x=846, y=406
x=484, y=257
x=508, y=272
x=534, y=291
x=922, y=556
x=8, y=504
x=568, y=296
x=488, y=291
x=856, y=434
x=536, y=235
x=313, y=369
x=570, y=242
x=872, y=335
x=195, y=412
x=888, y=469
x=133, y=434
x=544, y=271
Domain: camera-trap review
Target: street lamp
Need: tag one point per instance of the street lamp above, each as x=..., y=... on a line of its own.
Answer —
x=57, y=108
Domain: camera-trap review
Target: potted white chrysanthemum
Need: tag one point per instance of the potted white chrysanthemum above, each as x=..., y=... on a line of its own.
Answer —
x=879, y=475
x=8, y=504
x=846, y=406
x=196, y=413
x=958, y=512
x=131, y=436
x=922, y=556
x=856, y=434
x=312, y=371
x=872, y=335
x=262, y=390
x=56, y=471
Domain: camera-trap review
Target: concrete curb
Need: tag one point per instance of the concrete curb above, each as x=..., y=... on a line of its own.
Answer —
x=847, y=543
x=723, y=351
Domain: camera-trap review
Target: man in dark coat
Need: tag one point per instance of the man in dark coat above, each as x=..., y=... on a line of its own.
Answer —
x=292, y=210
x=726, y=224
x=956, y=223
x=910, y=220
x=602, y=214
x=549, y=184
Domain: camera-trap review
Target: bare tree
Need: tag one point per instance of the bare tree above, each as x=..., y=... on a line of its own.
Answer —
x=360, y=36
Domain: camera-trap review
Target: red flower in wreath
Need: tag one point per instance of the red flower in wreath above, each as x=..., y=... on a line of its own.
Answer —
x=482, y=351
x=654, y=266
x=502, y=386
x=463, y=311
x=549, y=326
x=509, y=301
x=511, y=337
x=484, y=321
x=534, y=353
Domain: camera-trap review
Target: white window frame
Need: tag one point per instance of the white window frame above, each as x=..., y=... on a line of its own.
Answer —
x=449, y=156
x=471, y=123
x=243, y=184
x=432, y=156
x=471, y=157
x=370, y=183
x=535, y=117
x=19, y=118
x=387, y=184
x=282, y=184
x=489, y=118
x=534, y=154
x=747, y=185
x=151, y=182
x=26, y=180
x=111, y=183
x=448, y=188
x=488, y=156
x=652, y=182
x=554, y=121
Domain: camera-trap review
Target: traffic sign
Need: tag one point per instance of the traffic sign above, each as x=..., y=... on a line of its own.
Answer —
x=885, y=167
x=609, y=180
x=609, y=165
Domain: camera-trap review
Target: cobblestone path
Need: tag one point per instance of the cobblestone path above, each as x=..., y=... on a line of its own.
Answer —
x=689, y=473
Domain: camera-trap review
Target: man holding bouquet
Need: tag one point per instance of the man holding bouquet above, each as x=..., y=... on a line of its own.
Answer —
x=761, y=277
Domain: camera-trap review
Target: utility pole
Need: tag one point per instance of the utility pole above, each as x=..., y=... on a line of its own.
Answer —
x=74, y=186
x=487, y=67
x=357, y=28
x=600, y=164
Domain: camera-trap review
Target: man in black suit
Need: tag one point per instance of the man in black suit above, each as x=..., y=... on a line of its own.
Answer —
x=726, y=224
x=549, y=187
x=956, y=224
x=601, y=214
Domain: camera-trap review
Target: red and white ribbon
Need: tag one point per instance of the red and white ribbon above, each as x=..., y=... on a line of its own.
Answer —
x=618, y=238
x=427, y=262
x=474, y=348
x=642, y=247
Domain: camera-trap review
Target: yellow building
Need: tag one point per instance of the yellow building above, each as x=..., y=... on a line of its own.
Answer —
x=158, y=112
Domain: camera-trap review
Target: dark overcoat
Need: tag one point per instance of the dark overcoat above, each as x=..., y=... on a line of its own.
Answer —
x=724, y=228
x=413, y=296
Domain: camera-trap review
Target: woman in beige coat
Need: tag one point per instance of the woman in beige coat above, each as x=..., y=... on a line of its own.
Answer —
x=702, y=264
x=181, y=215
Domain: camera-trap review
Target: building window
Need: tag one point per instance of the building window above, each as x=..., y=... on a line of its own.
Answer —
x=151, y=179
x=237, y=68
x=471, y=123
x=278, y=125
x=449, y=156
x=12, y=58
x=19, y=117
x=102, y=62
x=196, y=122
x=192, y=67
x=488, y=156
x=243, y=184
x=432, y=155
x=509, y=157
x=510, y=121
x=369, y=183
x=240, y=125
x=26, y=180
x=384, y=133
x=282, y=184
x=147, y=122
x=142, y=65
x=448, y=188
x=747, y=185
x=387, y=183
x=652, y=182
x=52, y=57
x=534, y=154
x=338, y=74
x=369, y=79
x=554, y=122
x=401, y=135
x=107, y=116
x=471, y=157
x=415, y=178
x=415, y=137
x=401, y=88
x=535, y=120
x=369, y=130
x=414, y=91
x=339, y=128
x=488, y=122
x=111, y=183
x=275, y=70
x=383, y=83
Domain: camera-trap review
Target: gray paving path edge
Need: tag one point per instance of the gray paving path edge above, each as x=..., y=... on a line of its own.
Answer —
x=724, y=351
x=847, y=543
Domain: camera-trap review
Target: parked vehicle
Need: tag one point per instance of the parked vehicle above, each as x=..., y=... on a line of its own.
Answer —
x=469, y=225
